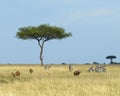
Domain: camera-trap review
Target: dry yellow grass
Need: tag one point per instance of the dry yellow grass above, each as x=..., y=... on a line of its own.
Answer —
x=58, y=81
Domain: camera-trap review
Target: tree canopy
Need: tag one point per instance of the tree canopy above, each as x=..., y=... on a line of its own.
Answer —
x=43, y=32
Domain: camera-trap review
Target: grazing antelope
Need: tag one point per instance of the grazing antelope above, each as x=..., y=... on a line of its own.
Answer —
x=16, y=74
x=77, y=72
x=31, y=71
x=91, y=69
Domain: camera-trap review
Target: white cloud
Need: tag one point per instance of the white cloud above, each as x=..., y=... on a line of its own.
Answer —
x=95, y=13
x=74, y=16
x=101, y=12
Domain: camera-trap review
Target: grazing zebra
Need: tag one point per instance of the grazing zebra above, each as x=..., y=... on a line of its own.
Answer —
x=70, y=68
x=77, y=72
x=31, y=71
x=47, y=67
x=91, y=69
x=100, y=69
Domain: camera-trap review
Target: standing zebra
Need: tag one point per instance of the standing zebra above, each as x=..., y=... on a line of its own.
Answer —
x=70, y=68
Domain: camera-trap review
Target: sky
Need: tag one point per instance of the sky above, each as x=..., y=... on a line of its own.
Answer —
x=94, y=24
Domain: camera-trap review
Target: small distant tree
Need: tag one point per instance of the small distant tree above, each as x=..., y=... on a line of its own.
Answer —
x=42, y=34
x=111, y=57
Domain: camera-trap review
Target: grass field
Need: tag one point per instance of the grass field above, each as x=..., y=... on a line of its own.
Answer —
x=58, y=81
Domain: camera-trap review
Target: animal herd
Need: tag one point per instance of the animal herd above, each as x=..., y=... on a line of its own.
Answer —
x=99, y=68
x=17, y=73
x=75, y=73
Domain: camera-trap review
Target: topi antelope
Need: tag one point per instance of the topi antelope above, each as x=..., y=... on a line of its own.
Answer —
x=31, y=71
x=77, y=72
x=16, y=74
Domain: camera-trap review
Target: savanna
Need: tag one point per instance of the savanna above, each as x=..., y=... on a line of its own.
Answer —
x=58, y=81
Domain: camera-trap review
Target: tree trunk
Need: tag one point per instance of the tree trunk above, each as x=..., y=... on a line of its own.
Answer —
x=41, y=55
x=41, y=51
x=111, y=61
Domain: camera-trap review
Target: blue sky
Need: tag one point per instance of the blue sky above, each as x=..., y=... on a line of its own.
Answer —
x=95, y=25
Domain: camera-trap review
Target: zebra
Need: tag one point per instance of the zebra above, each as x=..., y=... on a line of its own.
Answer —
x=100, y=69
x=91, y=69
x=47, y=67
x=70, y=68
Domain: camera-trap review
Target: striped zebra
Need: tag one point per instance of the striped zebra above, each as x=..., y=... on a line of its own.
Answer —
x=100, y=69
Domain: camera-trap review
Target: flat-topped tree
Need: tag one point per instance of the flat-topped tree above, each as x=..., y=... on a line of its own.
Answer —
x=111, y=57
x=42, y=34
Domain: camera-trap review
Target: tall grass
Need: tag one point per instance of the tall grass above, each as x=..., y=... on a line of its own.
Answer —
x=58, y=81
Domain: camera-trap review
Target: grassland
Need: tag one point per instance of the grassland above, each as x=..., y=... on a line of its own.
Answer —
x=58, y=81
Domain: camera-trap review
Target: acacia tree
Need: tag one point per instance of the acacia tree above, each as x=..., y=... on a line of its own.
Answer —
x=42, y=34
x=111, y=57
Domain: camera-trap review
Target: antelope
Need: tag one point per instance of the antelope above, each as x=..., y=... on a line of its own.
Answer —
x=77, y=72
x=31, y=71
x=16, y=74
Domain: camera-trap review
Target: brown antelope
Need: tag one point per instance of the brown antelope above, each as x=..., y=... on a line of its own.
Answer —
x=77, y=72
x=16, y=74
x=31, y=71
